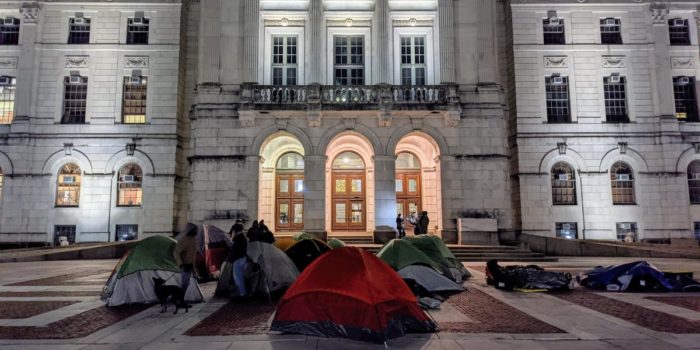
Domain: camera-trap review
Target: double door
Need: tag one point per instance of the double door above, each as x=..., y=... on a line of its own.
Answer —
x=349, y=207
x=408, y=195
x=289, y=202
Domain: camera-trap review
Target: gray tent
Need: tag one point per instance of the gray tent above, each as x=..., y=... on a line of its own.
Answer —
x=429, y=279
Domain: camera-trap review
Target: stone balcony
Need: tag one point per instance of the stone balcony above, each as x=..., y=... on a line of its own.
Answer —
x=382, y=99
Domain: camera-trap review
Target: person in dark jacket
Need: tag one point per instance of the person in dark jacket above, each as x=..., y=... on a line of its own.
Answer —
x=423, y=222
x=415, y=221
x=253, y=231
x=237, y=256
x=236, y=228
x=185, y=254
x=265, y=235
x=399, y=226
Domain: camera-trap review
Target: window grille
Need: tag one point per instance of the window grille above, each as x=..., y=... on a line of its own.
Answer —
x=134, y=100
x=9, y=31
x=126, y=233
x=137, y=31
x=615, y=93
x=566, y=230
x=79, y=30
x=694, y=182
x=8, y=89
x=557, y=94
x=679, y=31
x=349, y=61
x=68, y=186
x=622, y=183
x=685, y=98
x=129, y=186
x=67, y=231
x=627, y=231
x=74, y=99
x=553, y=30
x=610, y=31
x=284, y=60
x=563, y=184
x=413, y=66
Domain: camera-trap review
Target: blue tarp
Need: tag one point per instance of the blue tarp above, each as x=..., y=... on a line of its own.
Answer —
x=636, y=276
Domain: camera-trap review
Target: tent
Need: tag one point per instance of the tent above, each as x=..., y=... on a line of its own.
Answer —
x=213, y=245
x=437, y=250
x=429, y=279
x=531, y=277
x=305, y=251
x=334, y=243
x=278, y=272
x=398, y=253
x=132, y=279
x=639, y=276
x=350, y=293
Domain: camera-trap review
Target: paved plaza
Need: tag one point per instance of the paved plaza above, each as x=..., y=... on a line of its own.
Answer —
x=55, y=305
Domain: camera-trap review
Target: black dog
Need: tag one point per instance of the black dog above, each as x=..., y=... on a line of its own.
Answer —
x=163, y=292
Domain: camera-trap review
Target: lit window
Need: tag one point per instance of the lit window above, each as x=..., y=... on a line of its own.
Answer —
x=407, y=161
x=137, y=31
x=563, y=184
x=290, y=161
x=68, y=186
x=129, y=189
x=9, y=31
x=678, y=31
x=557, y=94
x=622, y=183
x=134, y=103
x=349, y=61
x=615, y=93
x=74, y=99
x=348, y=160
x=413, y=60
x=694, y=182
x=553, y=30
x=626, y=231
x=284, y=60
x=566, y=230
x=79, y=30
x=610, y=32
x=685, y=99
x=126, y=233
x=7, y=99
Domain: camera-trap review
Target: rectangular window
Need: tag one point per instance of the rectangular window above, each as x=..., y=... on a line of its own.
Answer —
x=557, y=91
x=413, y=64
x=79, y=30
x=137, y=31
x=9, y=31
x=627, y=231
x=679, y=31
x=615, y=99
x=696, y=230
x=553, y=30
x=66, y=231
x=349, y=60
x=7, y=99
x=566, y=230
x=284, y=60
x=134, y=100
x=126, y=233
x=610, y=31
x=74, y=99
x=685, y=99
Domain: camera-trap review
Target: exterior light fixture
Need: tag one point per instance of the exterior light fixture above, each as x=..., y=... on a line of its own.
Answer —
x=412, y=22
x=348, y=22
x=284, y=22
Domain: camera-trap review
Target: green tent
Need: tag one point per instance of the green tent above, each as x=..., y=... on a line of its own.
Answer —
x=335, y=243
x=399, y=253
x=434, y=247
x=131, y=281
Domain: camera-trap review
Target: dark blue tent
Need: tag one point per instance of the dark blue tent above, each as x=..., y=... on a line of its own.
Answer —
x=638, y=276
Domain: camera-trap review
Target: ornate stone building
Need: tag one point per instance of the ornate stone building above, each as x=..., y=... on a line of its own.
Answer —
x=127, y=119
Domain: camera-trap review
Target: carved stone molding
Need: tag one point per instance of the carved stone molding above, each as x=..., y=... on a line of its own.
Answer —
x=8, y=62
x=284, y=22
x=314, y=118
x=556, y=61
x=452, y=118
x=659, y=12
x=385, y=119
x=130, y=149
x=413, y=22
x=77, y=61
x=247, y=118
x=67, y=149
x=682, y=62
x=696, y=147
x=348, y=22
x=30, y=12
x=623, y=147
x=136, y=62
x=562, y=147
x=614, y=61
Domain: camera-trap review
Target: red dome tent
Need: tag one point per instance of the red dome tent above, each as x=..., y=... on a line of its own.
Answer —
x=350, y=293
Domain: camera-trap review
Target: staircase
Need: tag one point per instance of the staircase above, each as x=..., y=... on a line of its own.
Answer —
x=356, y=240
x=480, y=253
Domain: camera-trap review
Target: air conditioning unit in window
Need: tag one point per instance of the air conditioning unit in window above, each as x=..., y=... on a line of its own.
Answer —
x=554, y=21
x=610, y=22
x=75, y=79
x=129, y=178
x=678, y=22
x=79, y=20
x=563, y=177
x=8, y=21
x=614, y=79
x=135, y=80
x=557, y=80
x=623, y=177
x=566, y=226
x=69, y=179
x=683, y=81
x=137, y=21
x=625, y=226
x=5, y=81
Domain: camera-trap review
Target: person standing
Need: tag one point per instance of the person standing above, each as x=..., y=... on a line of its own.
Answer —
x=416, y=223
x=399, y=226
x=238, y=259
x=253, y=232
x=236, y=228
x=423, y=222
x=185, y=255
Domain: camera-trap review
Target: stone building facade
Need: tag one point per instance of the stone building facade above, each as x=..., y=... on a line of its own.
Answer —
x=131, y=118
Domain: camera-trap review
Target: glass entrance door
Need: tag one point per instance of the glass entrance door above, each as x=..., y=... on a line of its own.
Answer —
x=349, y=210
x=408, y=187
x=290, y=202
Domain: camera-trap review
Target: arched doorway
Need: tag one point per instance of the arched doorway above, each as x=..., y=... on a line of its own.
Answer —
x=408, y=186
x=289, y=192
x=349, y=193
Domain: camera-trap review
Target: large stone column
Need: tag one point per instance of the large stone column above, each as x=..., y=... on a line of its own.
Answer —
x=486, y=40
x=315, y=194
x=27, y=68
x=384, y=191
x=382, y=50
x=662, y=62
x=251, y=30
x=447, y=40
x=316, y=52
x=452, y=190
x=209, y=41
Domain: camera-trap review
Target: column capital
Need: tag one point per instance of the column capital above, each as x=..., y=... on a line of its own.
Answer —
x=30, y=12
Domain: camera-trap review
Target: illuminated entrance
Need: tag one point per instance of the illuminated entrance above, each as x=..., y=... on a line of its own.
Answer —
x=289, y=193
x=348, y=179
x=408, y=185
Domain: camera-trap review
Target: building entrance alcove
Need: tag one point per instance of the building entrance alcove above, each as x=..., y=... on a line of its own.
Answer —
x=408, y=186
x=281, y=191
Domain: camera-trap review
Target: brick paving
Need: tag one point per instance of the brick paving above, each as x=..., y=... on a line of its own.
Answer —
x=25, y=309
x=654, y=320
x=38, y=294
x=688, y=302
x=236, y=319
x=64, y=280
x=76, y=326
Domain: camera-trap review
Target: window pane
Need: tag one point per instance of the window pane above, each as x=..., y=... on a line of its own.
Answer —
x=298, y=213
x=127, y=233
x=74, y=100
x=129, y=186
x=284, y=213
x=134, y=100
x=356, y=213
x=348, y=160
x=412, y=185
x=557, y=95
x=68, y=187
x=399, y=185
x=137, y=31
x=340, y=186
x=356, y=186
x=7, y=100
x=284, y=186
x=9, y=31
x=298, y=185
x=615, y=99
x=685, y=98
x=340, y=212
x=563, y=184
x=79, y=31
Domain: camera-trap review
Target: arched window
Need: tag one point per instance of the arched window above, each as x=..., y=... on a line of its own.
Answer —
x=622, y=182
x=694, y=182
x=348, y=161
x=563, y=184
x=407, y=161
x=68, y=186
x=290, y=161
x=129, y=191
